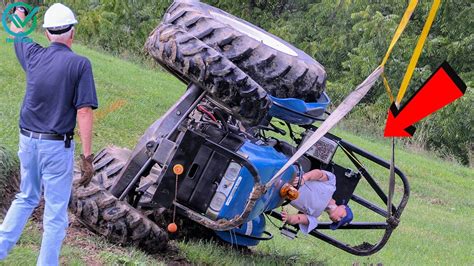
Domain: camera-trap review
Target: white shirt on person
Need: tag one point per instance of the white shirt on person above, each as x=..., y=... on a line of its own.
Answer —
x=313, y=199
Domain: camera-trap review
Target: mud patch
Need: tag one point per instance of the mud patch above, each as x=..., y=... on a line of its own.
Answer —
x=435, y=201
x=79, y=236
x=114, y=106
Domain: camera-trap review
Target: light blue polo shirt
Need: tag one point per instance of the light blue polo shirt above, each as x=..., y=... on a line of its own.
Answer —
x=313, y=199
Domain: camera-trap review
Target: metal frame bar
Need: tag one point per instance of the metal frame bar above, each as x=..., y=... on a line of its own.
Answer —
x=375, y=186
x=406, y=187
x=351, y=226
x=369, y=205
x=351, y=152
x=391, y=223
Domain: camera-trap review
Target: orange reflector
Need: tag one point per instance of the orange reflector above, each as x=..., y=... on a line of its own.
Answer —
x=172, y=228
x=289, y=192
x=178, y=169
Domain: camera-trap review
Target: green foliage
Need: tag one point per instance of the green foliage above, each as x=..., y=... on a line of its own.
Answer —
x=119, y=27
x=435, y=228
x=453, y=124
x=8, y=163
x=348, y=37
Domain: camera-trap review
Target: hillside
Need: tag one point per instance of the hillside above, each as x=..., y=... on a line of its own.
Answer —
x=347, y=37
x=436, y=227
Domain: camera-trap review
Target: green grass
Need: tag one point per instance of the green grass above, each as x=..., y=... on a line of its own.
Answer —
x=436, y=227
x=130, y=97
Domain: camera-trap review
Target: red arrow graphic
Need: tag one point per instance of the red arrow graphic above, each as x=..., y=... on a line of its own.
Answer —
x=442, y=88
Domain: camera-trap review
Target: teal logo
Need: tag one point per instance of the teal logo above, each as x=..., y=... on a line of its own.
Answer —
x=23, y=24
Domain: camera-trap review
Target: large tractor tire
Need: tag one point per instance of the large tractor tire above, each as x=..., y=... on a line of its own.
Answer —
x=101, y=212
x=279, y=67
x=9, y=179
x=193, y=60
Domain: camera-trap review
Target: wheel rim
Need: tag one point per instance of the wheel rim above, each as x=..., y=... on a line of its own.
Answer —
x=254, y=33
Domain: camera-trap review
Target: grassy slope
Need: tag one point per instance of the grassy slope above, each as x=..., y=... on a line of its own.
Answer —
x=435, y=228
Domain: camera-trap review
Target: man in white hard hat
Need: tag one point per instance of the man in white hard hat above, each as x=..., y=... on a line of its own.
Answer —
x=60, y=90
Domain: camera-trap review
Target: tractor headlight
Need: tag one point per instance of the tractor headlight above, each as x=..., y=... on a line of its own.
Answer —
x=224, y=190
x=232, y=171
x=218, y=201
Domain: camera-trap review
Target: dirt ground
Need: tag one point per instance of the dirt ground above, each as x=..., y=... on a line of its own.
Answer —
x=80, y=237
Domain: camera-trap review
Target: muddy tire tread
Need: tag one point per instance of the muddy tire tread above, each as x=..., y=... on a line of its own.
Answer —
x=280, y=74
x=194, y=60
x=120, y=223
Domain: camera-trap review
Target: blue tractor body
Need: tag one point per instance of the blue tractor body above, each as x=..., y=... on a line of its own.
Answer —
x=267, y=161
x=237, y=186
x=224, y=186
x=207, y=165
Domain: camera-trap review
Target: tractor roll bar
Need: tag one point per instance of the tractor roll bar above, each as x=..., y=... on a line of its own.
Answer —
x=406, y=186
x=364, y=249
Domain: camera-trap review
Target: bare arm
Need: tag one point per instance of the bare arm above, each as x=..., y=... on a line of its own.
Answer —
x=315, y=175
x=85, y=120
x=13, y=27
x=295, y=218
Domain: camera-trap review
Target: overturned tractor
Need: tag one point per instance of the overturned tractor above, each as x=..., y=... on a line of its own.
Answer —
x=210, y=160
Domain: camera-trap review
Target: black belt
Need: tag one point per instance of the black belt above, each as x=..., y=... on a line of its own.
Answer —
x=49, y=136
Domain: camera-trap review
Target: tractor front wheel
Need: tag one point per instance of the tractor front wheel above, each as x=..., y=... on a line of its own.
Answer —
x=104, y=214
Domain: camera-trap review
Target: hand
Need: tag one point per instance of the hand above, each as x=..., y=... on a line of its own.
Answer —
x=315, y=175
x=289, y=219
x=87, y=170
x=284, y=216
x=295, y=181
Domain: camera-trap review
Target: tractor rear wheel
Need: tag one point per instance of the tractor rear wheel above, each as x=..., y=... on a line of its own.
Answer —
x=9, y=179
x=280, y=68
x=193, y=60
x=100, y=211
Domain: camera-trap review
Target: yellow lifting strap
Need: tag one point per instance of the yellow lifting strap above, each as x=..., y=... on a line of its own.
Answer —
x=418, y=49
x=387, y=87
x=406, y=79
x=401, y=27
x=417, y=52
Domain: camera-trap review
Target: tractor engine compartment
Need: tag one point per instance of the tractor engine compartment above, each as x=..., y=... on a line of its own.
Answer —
x=217, y=153
x=203, y=167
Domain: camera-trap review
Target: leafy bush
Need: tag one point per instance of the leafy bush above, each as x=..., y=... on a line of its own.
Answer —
x=348, y=37
x=119, y=27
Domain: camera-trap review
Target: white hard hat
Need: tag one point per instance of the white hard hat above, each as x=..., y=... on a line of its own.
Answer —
x=58, y=15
